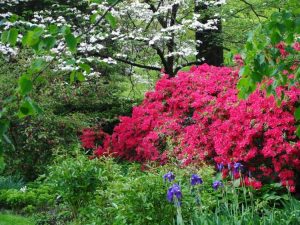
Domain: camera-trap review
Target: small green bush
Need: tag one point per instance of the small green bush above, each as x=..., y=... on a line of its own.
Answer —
x=27, y=199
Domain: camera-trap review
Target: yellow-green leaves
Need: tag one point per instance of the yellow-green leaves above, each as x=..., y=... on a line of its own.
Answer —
x=25, y=85
x=10, y=36
x=111, y=20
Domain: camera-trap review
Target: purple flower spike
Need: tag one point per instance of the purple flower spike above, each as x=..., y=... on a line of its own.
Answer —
x=238, y=167
x=217, y=184
x=195, y=179
x=174, y=191
x=220, y=167
x=169, y=176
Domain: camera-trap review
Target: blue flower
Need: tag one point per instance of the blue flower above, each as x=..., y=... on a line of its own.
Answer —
x=174, y=191
x=195, y=179
x=220, y=167
x=238, y=167
x=169, y=176
x=217, y=184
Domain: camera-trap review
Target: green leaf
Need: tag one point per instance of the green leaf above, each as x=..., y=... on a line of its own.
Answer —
x=298, y=131
x=80, y=77
x=53, y=29
x=297, y=113
x=110, y=2
x=71, y=42
x=236, y=182
x=76, y=76
x=4, y=124
x=93, y=18
x=13, y=36
x=218, y=176
x=111, y=20
x=4, y=37
x=37, y=66
x=243, y=84
x=25, y=85
x=49, y=42
x=85, y=67
x=28, y=108
x=72, y=77
x=30, y=39
x=2, y=163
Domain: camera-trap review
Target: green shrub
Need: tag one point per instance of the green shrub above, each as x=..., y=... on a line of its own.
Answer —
x=78, y=190
x=76, y=180
x=10, y=182
x=27, y=199
x=66, y=109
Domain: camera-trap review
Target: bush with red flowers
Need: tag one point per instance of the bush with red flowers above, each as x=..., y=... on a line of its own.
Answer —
x=200, y=114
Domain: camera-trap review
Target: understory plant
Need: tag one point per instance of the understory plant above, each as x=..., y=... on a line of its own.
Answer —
x=79, y=190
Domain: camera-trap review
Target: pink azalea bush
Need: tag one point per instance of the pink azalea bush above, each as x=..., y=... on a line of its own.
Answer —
x=200, y=114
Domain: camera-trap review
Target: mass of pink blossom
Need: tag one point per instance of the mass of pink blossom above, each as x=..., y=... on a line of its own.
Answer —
x=197, y=117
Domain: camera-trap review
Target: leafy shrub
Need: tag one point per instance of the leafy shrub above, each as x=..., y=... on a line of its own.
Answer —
x=27, y=199
x=77, y=179
x=104, y=192
x=66, y=109
x=199, y=113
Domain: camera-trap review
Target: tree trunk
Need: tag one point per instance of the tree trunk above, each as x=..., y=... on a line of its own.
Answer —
x=210, y=46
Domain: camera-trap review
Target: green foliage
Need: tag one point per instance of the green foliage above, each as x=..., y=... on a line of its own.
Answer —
x=27, y=199
x=78, y=190
x=63, y=111
x=8, y=219
x=76, y=180
x=237, y=214
x=111, y=19
x=71, y=42
x=101, y=191
x=262, y=59
x=10, y=182
x=269, y=55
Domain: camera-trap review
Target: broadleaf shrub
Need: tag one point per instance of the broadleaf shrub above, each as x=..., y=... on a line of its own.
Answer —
x=199, y=113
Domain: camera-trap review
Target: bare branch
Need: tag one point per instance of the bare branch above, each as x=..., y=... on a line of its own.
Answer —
x=136, y=64
x=253, y=10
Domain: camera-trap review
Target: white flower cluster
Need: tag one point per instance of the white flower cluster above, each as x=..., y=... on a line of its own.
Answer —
x=8, y=51
x=142, y=28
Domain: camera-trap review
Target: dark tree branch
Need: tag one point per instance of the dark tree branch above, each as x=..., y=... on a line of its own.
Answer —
x=136, y=64
x=253, y=10
x=186, y=64
x=160, y=19
x=152, y=19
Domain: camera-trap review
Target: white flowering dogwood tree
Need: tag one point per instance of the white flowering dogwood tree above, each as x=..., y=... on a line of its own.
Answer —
x=79, y=36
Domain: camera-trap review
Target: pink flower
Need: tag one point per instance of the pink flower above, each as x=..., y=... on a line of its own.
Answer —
x=296, y=46
x=281, y=47
x=238, y=60
x=199, y=115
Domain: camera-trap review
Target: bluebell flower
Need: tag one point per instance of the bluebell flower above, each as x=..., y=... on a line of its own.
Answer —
x=237, y=167
x=174, y=191
x=220, y=167
x=195, y=179
x=169, y=176
x=217, y=184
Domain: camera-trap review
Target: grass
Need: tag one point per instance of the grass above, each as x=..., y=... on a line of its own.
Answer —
x=9, y=219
